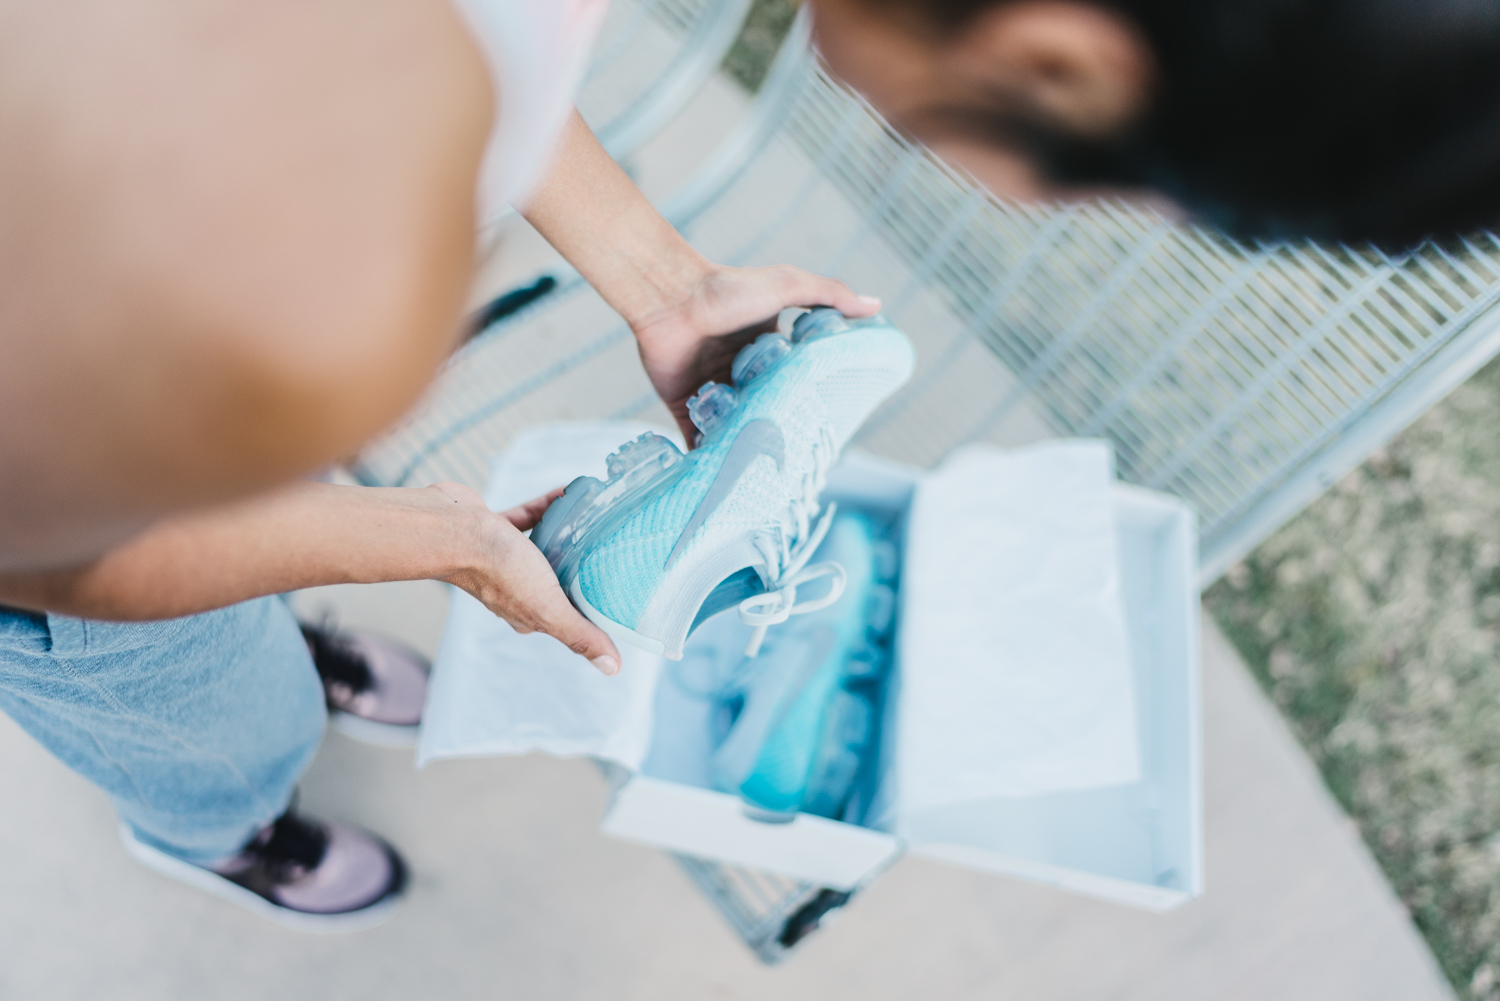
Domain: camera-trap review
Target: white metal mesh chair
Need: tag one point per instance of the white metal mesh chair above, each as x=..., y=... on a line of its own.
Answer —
x=652, y=58
x=1243, y=379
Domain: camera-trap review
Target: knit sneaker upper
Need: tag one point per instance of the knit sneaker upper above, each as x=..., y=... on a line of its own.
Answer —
x=749, y=498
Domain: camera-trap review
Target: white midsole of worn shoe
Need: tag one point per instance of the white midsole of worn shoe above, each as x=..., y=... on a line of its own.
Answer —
x=224, y=889
x=616, y=630
x=369, y=731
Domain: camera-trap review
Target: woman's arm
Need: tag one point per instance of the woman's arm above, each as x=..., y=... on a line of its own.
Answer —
x=690, y=316
x=314, y=533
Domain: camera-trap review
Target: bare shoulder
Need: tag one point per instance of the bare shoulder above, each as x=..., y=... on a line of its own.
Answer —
x=234, y=235
x=217, y=116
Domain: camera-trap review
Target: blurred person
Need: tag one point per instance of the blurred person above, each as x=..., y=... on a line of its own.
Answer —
x=1349, y=120
x=235, y=241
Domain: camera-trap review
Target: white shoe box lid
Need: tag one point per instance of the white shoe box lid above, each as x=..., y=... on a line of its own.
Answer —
x=1089, y=780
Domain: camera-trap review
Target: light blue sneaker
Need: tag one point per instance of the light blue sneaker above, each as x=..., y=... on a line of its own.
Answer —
x=669, y=540
x=808, y=704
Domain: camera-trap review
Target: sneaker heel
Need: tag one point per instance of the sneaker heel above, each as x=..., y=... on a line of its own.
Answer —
x=556, y=529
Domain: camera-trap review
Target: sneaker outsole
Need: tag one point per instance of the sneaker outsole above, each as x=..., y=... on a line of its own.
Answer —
x=225, y=889
x=373, y=732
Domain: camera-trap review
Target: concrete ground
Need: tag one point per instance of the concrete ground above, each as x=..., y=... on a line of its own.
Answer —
x=516, y=895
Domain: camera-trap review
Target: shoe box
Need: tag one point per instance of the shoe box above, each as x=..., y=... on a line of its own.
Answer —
x=1130, y=832
x=1040, y=723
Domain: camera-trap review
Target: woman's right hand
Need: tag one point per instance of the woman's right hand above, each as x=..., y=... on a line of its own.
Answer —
x=514, y=580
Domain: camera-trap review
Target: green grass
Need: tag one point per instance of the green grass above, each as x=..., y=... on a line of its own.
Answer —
x=1373, y=621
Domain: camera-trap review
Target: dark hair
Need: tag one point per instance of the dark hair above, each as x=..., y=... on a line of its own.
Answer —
x=1336, y=119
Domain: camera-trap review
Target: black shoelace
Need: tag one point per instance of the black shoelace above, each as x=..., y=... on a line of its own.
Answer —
x=337, y=661
x=290, y=847
x=282, y=853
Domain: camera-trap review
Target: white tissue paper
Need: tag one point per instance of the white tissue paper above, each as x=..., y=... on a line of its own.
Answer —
x=495, y=691
x=1015, y=675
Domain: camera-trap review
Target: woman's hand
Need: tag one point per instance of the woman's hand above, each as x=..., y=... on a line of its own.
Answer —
x=695, y=339
x=513, y=579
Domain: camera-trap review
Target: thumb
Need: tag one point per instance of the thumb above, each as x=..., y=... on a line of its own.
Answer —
x=689, y=430
x=560, y=620
x=526, y=516
x=807, y=289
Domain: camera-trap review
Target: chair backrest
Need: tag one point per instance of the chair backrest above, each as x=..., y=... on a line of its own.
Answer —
x=653, y=57
x=1243, y=379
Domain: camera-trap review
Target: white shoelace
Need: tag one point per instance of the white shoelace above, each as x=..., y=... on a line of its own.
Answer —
x=786, y=554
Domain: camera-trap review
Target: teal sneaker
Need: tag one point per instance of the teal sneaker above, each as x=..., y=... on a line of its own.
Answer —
x=807, y=706
x=668, y=540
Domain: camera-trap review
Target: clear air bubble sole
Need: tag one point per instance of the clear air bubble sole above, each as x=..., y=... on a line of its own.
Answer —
x=590, y=509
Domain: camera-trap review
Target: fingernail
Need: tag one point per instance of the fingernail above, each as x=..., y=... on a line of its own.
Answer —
x=870, y=300
x=606, y=665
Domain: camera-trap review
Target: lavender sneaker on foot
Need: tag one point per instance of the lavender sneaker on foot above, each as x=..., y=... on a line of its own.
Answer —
x=298, y=872
x=375, y=686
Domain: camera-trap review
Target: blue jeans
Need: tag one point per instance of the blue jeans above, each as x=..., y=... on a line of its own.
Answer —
x=198, y=728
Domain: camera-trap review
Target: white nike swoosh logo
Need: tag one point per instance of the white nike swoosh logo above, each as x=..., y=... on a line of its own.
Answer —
x=759, y=437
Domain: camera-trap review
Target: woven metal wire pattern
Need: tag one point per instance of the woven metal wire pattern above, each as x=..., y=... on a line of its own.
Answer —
x=1217, y=370
x=624, y=29
x=756, y=904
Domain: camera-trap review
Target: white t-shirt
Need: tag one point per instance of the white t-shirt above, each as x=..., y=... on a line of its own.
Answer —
x=537, y=52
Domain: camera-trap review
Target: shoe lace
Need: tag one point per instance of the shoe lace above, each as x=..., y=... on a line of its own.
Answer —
x=289, y=847
x=786, y=545
x=344, y=670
